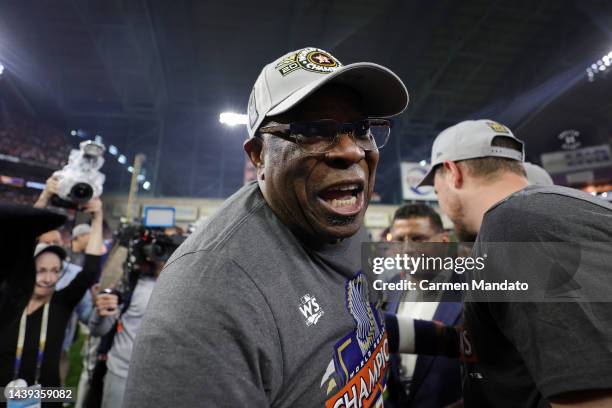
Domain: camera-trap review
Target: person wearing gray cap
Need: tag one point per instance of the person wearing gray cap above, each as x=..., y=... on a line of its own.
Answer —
x=264, y=305
x=522, y=354
x=80, y=237
x=30, y=347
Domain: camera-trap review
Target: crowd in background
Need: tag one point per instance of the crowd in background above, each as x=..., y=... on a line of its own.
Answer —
x=34, y=141
x=14, y=195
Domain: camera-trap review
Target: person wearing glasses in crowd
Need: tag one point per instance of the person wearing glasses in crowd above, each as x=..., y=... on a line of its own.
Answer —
x=265, y=304
x=421, y=381
x=30, y=347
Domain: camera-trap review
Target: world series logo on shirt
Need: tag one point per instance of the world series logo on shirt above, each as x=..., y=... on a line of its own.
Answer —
x=310, y=309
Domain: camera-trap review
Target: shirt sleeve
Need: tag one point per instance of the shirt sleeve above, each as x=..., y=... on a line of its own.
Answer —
x=208, y=338
x=72, y=294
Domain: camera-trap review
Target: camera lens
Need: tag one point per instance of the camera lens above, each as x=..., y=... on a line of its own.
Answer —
x=81, y=193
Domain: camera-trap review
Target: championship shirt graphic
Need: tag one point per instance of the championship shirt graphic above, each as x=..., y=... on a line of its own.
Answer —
x=356, y=375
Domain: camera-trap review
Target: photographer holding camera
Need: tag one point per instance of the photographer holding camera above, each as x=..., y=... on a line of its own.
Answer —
x=149, y=250
x=30, y=347
x=48, y=192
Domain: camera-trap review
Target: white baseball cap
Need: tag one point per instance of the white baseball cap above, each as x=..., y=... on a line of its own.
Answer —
x=284, y=83
x=57, y=250
x=471, y=139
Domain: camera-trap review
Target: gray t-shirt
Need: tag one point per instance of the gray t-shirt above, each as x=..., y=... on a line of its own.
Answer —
x=522, y=354
x=244, y=314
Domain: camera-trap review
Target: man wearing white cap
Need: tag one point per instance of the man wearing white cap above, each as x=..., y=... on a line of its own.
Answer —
x=522, y=354
x=264, y=306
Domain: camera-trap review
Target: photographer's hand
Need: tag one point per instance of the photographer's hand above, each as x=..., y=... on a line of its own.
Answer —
x=51, y=188
x=93, y=207
x=107, y=304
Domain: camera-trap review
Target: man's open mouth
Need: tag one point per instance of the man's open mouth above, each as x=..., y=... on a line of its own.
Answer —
x=343, y=199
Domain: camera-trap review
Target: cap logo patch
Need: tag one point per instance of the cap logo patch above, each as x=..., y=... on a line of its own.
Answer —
x=309, y=59
x=288, y=64
x=498, y=127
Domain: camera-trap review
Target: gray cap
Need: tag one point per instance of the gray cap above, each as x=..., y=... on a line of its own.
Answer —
x=537, y=175
x=81, y=229
x=57, y=250
x=470, y=139
x=285, y=82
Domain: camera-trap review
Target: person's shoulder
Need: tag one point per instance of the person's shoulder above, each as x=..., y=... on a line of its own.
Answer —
x=230, y=222
x=547, y=199
x=545, y=211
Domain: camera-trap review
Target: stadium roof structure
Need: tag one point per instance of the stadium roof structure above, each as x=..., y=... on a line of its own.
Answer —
x=152, y=76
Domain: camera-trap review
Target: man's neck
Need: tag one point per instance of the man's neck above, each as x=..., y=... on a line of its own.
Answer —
x=486, y=195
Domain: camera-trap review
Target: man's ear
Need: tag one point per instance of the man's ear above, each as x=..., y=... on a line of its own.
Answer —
x=455, y=172
x=254, y=149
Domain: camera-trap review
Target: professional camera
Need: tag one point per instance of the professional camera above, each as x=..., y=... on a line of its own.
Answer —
x=147, y=246
x=80, y=180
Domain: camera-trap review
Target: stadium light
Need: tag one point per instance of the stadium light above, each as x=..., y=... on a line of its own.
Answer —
x=146, y=185
x=423, y=163
x=599, y=66
x=131, y=169
x=74, y=132
x=122, y=159
x=112, y=149
x=1, y=68
x=232, y=119
x=36, y=185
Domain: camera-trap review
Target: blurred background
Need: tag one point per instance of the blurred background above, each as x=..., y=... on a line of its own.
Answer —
x=153, y=77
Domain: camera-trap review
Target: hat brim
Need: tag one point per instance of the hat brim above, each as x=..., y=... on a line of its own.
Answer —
x=383, y=93
x=17, y=218
x=57, y=250
x=428, y=180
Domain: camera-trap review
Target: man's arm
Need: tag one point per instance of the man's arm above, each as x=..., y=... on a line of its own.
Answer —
x=72, y=294
x=413, y=336
x=47, y=193
x=96, y=240
x=208, y=338
x=105, y=315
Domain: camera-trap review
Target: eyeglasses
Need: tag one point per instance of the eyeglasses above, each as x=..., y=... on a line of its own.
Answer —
x=320, y=136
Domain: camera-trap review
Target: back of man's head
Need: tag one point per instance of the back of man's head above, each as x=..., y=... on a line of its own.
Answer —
x=491, y=168
x=484, y=148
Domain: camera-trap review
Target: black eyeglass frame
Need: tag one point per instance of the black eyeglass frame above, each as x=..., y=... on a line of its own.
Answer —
x=286, y=131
